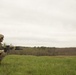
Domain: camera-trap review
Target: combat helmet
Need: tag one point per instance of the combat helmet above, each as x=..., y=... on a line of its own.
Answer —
x=1, y=37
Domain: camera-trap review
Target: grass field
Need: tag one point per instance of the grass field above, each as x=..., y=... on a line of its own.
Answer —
x=38, y=65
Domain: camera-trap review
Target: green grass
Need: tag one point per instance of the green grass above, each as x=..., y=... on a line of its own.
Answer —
x=38, y=65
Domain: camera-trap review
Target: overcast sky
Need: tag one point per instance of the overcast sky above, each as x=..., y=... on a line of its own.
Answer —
x=49, y=23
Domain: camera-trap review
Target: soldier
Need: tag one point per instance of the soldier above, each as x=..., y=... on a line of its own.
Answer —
x=4, y=49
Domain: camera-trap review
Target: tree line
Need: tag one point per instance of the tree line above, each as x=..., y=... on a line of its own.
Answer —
x=43, y=51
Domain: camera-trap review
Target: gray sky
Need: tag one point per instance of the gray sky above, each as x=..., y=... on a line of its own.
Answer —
x=38, y=22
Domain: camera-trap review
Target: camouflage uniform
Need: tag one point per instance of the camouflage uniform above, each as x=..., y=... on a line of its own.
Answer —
x=1, y=51
x=1, y=40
